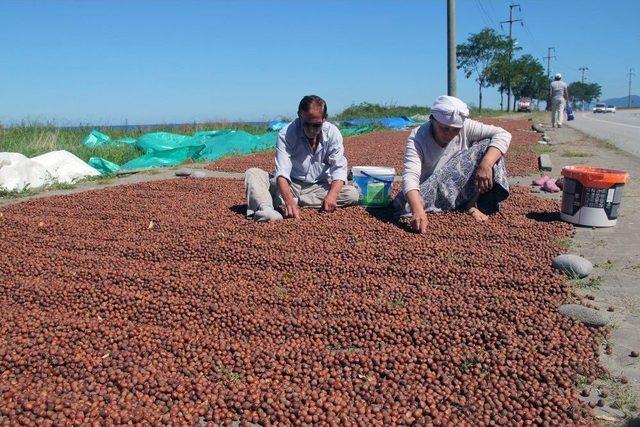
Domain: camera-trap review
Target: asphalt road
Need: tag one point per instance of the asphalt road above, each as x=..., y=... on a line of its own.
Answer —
x=621, y=128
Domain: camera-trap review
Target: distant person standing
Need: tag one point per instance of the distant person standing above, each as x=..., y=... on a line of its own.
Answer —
x=559, y=94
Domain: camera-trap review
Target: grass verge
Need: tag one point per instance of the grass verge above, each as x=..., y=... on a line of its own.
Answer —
x=590, y=283
x=568, y=153
x=33, y=139
x=543, y=149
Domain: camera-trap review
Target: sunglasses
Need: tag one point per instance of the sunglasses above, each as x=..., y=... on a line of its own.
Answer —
x=312, y=125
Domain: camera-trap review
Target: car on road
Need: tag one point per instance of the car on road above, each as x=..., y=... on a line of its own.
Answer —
x=600, y=108
x=610, y=109
x=524, y=105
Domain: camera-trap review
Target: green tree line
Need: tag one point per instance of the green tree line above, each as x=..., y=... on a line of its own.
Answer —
x=491, y=59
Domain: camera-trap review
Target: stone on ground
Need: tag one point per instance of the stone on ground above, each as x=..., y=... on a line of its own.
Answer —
x=544, y=162
x=586, y=315
x=574, y=266
x=538, y=127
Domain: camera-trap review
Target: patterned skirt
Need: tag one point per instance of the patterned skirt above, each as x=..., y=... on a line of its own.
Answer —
x=452, y=186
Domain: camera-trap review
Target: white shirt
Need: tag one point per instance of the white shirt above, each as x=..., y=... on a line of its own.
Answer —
x=422, y=155
x=296, y=161
x=557, y=88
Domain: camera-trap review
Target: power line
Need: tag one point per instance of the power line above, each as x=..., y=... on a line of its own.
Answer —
x=530, y=34
x=493, y=23
x=485, y=17
x=493, y=11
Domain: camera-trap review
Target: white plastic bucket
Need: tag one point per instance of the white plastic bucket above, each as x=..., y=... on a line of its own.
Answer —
x=592, y=196
x=374, y=183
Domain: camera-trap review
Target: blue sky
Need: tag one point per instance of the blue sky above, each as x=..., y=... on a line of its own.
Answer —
x=117, y=62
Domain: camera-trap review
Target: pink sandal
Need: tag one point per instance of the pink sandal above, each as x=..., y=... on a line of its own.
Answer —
x=540, y=181
x=550, y=186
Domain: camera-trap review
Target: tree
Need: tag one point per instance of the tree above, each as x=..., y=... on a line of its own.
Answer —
x=498, y=75
x=478, y=54
x=585, y=92
x=528, y=75
x=542, y=89
x=502, y=69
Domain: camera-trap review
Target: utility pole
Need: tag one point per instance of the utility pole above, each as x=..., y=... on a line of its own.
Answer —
x=583, y=69
x=548, y=58
x=452, y=56
x=630, y=73
x=510, y=21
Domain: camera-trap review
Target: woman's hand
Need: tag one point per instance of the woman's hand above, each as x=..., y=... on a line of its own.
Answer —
x=418, y=216
x=419, y=222
x=484, y=177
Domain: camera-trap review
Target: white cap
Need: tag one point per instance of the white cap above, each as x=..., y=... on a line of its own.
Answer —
x=558, y=76
x=450, y=111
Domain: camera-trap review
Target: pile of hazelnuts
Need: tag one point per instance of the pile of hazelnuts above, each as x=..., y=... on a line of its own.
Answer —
x=161, y=303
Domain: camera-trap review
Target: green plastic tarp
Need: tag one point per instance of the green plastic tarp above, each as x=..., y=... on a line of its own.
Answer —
x=99, y=139
x=96, y=139
x=164, y=149
x=227, y=143
x=351, y=131
x=105, y=167
x=162, y=141
x=159, y=159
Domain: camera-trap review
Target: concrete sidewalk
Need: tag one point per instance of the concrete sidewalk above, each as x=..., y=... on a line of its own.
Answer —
x=615, y=253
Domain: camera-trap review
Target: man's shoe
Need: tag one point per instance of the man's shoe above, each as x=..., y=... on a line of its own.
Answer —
x=267, y=214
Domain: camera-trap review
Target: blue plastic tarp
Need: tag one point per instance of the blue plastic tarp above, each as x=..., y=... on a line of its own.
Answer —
x=277, y=125
x=399, y=122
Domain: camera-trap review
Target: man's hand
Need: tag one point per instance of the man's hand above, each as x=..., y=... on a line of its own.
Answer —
x=290, y=207
x=419, y=222
x=330, y=203
x=291, y=210
x=484, y=177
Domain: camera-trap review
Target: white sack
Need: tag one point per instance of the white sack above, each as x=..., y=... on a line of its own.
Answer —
x=18, y=172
